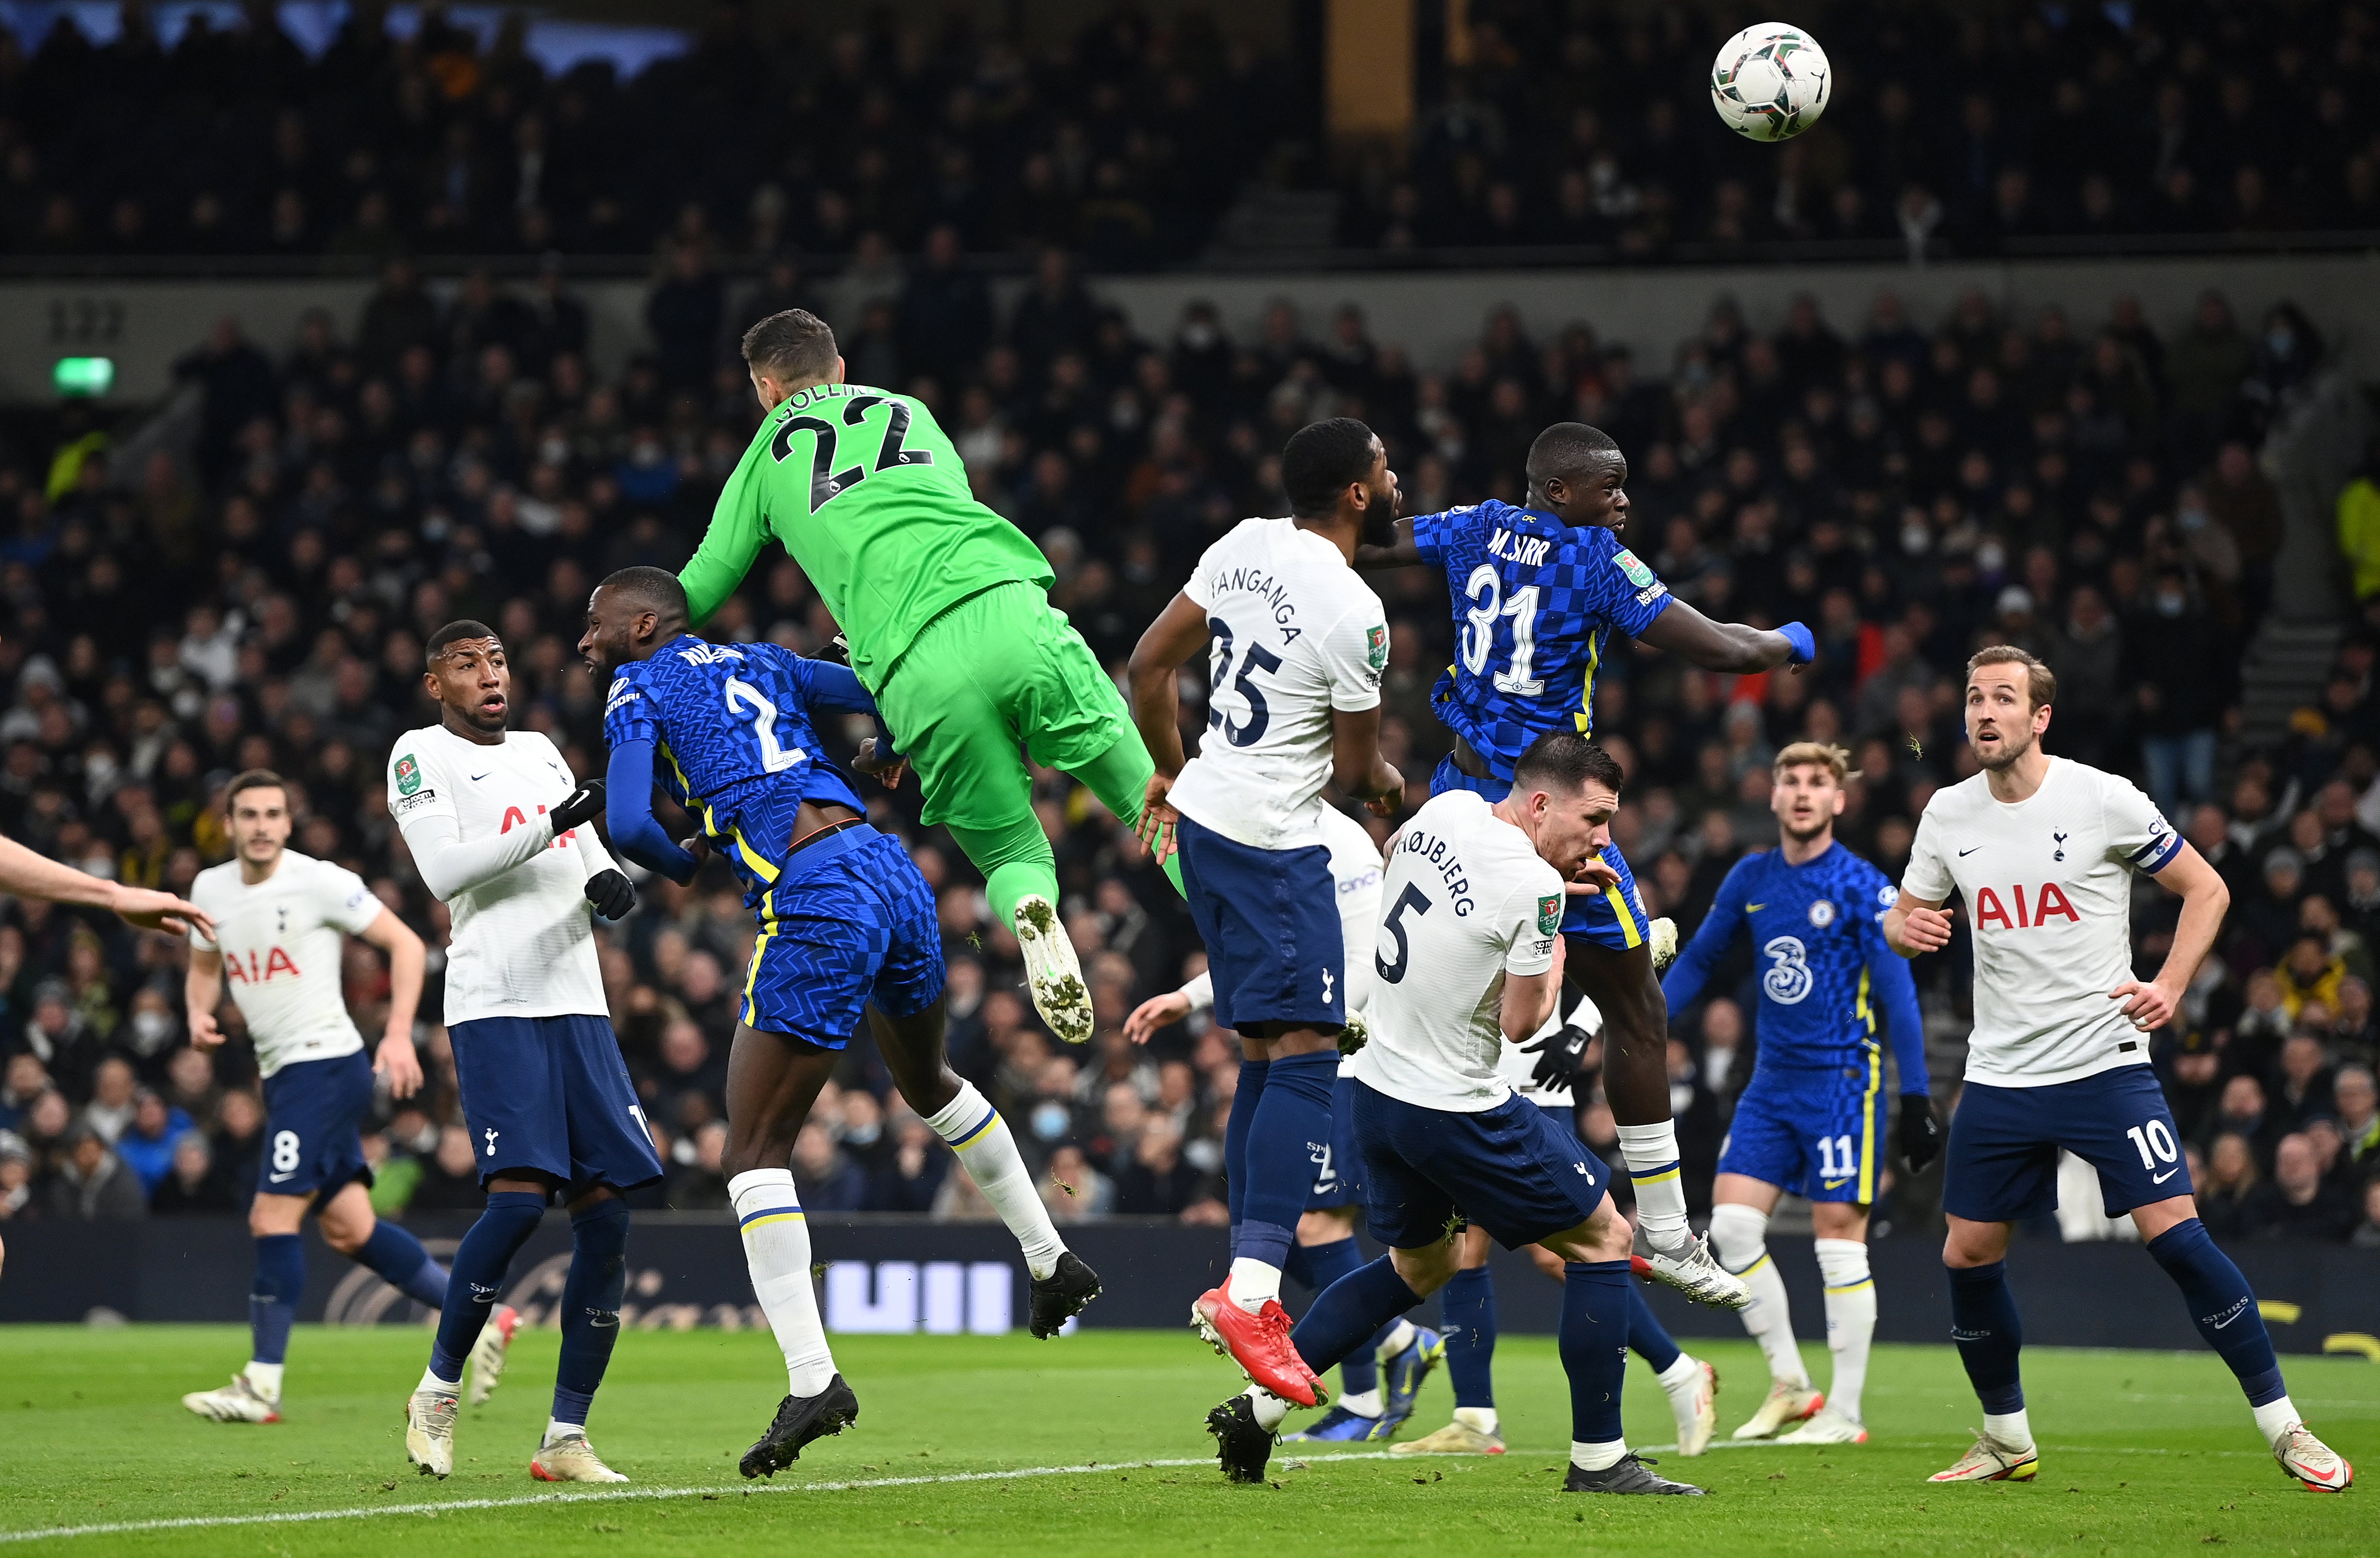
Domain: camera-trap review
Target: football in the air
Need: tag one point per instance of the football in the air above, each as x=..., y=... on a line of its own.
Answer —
x=1770, y=81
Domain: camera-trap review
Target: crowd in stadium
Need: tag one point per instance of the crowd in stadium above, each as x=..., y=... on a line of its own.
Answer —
x=1909, y=487
x=1131, y=140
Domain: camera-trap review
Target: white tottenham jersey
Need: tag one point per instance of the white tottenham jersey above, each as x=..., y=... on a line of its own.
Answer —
x=2048, y=884
x=1296, y=634
x=1467, y=900
x=281, y=941
x=522, y=946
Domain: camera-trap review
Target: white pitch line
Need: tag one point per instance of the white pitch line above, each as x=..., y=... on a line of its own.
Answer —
x=297, y=1516
x=300, y=1517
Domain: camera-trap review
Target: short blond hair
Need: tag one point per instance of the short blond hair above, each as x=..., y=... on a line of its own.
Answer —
x=2041, y=683
x=1824, y=754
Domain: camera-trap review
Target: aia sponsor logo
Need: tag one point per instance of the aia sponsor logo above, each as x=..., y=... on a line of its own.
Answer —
x=2044, y=904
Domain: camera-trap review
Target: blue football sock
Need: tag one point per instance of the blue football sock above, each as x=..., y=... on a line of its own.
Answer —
x=1648, y=1335
x=1319, y=1265
x=1288, y=1132
x=1594, y=1345
x=1983, y=1324
x=1235, y=1141
x=1347, y=1315
x=591, y=1305
x=399, y=1260
x=273, y=1299
x=1468, y=1311
x=2223, y=1306
x=480, y=1264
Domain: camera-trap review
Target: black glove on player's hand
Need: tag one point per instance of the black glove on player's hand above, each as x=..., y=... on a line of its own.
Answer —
x=1921, y=1133
x=1562, y=1057
x=579, y=805
x=611, y=894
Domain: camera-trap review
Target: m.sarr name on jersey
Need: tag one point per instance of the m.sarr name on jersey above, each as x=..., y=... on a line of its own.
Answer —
x=1439, y=854
x=1259, y=582
x=1528, y=551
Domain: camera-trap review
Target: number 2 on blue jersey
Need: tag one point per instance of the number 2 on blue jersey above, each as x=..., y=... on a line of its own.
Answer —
x=1485, y=589
x=742, y=694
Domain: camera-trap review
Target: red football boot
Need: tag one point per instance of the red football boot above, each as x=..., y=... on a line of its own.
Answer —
x=1258, y=1343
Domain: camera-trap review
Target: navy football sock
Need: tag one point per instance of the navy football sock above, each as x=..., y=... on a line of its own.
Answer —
x=1347, y=1315
x=591, y=1305
x=1983, y=1324
x=399, y=1260
x=273, y=1299
x=1594, y=1345
x=1235, y=1140
x=479, y=1275
x=2223, y=1306
x=1647, y=1335
x=1319, y=1265
x=1468, y=1311
x=1289, y=1127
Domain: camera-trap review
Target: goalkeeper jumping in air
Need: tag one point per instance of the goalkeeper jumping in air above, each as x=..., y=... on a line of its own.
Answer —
x=946, y=606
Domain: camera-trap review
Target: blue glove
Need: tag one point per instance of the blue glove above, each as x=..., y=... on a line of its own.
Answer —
x=1805, y=644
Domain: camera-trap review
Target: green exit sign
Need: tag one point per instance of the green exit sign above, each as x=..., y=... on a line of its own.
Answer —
x=83, y=375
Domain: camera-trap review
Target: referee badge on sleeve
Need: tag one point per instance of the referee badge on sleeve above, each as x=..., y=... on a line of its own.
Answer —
x=1549, y=913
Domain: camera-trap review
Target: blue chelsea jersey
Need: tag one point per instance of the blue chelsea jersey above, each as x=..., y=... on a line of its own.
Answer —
x=1828, y=980
x=1536, y=602
x=732, y=742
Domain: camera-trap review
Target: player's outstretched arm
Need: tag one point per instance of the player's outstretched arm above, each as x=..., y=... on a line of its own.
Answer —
x=29, y=874
x=833, y=684
x=1701, y=953
x=737, y=531
x=2204, y=900
x=628, y=811
x=407, y=960
x=1727, y=645
x=1913, y=927
x=1404, y=554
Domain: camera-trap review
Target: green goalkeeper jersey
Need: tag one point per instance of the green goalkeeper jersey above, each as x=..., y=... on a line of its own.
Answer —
x=866, y=493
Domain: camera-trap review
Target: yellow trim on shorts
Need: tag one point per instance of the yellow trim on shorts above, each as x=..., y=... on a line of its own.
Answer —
x=761, y=866
x=1868, y=1115
x=1629, y=929
x=1585, y=718
x=768, y=929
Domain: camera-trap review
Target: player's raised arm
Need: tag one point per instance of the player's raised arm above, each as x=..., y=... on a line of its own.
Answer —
x=735, y=535
x=1179, y=632
x=1727, y=645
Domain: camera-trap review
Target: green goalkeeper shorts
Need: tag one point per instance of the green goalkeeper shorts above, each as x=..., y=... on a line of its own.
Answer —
x=998, y=670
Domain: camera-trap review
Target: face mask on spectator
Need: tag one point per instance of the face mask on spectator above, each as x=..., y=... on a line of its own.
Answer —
x=1050, y=1119
x=2169, y=603
x=151, y=1030
x=1915, y=538
x=2193, y=516
x=554, y=451
x=863, y=1135
x=2281, y=341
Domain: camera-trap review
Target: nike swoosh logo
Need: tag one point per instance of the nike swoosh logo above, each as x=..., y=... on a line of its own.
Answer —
x=1836, y=1183
x=1753, y=908
x=2166, y=1175
x=277, y=1178
x=477, y=777
x=1965, y=853
x=2219, y=1324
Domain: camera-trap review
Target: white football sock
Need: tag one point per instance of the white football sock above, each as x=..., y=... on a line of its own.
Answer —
x=431, y=1382
x=1741, y=1233
x=2276, y=1418
x=2012, y=1430
x=1680, y=1373
x=1652, y=1154
x=1364, y=1403
x=1252, y=1285
x=987, y=1150
x=1478, y=1419
x=777, y=1251
x=555, y=1427
x=265, y=1378
x=1597, y=1457
x=1851, y=1320
x=1270, y=1408
x=1397, y=1341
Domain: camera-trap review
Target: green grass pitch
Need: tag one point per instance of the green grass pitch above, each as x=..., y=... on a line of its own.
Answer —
x=2149, y=1453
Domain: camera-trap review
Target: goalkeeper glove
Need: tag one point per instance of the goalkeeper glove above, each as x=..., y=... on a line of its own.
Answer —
x=611, y=894
x=579, y=805
x=1921, y=1133
x=1562, y=1057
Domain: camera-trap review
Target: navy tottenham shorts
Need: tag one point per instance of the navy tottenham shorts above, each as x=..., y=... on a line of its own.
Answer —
x=314, y=1112
x=1517, y=1169
x=1270, y=921
x=552, y=1094
x=2002, y=1163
